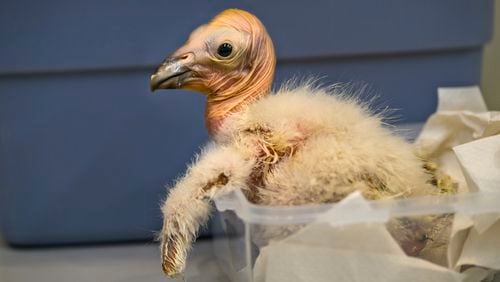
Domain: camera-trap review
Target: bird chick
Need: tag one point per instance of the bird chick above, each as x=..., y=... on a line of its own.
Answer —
x=297, y=146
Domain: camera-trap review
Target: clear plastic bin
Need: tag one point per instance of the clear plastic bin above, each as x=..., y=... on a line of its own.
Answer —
x=357, y=240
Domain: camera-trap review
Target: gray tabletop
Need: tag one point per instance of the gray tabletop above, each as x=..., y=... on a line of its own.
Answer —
x=130, y=262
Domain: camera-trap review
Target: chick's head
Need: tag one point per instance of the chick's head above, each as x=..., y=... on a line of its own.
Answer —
x=232, y=55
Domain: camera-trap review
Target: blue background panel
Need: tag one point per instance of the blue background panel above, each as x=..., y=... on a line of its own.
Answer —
x=60, y=35
x=86, y=149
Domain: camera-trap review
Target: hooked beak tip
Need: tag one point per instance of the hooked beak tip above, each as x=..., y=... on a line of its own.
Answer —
x=153, y=83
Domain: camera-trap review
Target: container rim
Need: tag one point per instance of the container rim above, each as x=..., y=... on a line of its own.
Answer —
x=472, y=203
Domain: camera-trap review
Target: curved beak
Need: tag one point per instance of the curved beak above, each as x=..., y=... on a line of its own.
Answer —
x=171, y=74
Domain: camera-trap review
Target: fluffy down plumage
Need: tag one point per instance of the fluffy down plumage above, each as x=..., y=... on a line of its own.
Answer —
x=281, y=156
x=321, y=156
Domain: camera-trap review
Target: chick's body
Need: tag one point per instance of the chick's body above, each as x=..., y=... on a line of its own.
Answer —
x=308, y=146
x=311, y=146
x=301, y=145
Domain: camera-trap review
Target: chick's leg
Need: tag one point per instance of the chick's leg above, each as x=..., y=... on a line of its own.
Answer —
x=188, y=206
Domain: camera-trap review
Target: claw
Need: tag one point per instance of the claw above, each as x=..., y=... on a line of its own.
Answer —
x=172, y=256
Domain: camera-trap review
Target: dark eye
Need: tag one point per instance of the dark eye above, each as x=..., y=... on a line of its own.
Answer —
x=224, y=50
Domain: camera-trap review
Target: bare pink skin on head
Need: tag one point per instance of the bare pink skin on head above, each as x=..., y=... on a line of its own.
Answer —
x=229, y=82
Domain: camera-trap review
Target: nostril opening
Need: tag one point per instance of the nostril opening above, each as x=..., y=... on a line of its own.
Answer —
x=185, y=56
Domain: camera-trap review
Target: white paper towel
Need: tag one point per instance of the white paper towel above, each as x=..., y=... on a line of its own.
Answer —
x=461, y=117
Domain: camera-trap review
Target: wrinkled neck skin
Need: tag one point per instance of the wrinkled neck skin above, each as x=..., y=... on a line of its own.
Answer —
x=217, y=110
x=234, y=91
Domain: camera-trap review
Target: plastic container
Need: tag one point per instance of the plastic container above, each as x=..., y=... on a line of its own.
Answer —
x=302, y=237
